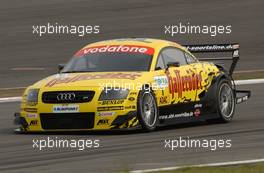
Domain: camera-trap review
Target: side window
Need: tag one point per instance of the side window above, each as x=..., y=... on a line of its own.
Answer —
x=174, y=55
x=160, y=63
x=190, y=59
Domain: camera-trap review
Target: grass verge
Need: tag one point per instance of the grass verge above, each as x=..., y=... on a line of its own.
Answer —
x=245, y=168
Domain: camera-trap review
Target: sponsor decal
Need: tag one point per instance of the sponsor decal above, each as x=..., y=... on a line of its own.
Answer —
x=31, y=115
x=161, y=81
x=111, y=102
x=116, y=48
x=130, y=107
x=65, y=108
x=163, y=99
x=83, y=77
x=33, y=123
x=106, y=113
x=131, y=98
x=103, y=122
x=133, y=93
x=198, y=105
x=110, y=108
x=214, y=47
x=239, y=100
x=179, y=84
x=197, y=112
x=180, y=115
x=242, y=99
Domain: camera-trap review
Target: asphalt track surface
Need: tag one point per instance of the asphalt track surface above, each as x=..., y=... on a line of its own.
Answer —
x=130, y=150
x=19, y=48
x=118, y=151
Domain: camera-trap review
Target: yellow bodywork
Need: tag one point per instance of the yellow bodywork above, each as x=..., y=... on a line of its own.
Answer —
x=106, y=112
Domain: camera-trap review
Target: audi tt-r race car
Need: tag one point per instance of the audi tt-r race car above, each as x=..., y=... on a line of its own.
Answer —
x=131, y=83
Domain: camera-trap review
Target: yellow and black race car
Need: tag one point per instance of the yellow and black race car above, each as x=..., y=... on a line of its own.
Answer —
x=134, y=82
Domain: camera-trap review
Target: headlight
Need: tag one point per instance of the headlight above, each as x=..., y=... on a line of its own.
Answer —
x=32, y=96
x=114, y=94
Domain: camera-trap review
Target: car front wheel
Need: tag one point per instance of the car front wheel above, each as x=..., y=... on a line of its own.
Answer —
x=147, y=110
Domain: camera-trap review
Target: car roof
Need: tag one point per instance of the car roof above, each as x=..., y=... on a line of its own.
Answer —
x=150, y=42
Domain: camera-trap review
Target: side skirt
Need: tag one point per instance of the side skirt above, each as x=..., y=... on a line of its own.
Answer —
x=184, y=113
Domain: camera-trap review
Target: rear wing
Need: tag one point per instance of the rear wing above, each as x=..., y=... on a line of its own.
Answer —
x=205, y=48
x=241, y=95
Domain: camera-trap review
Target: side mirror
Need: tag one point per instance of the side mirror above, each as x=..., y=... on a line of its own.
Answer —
x=173, y=64
x=60, y=67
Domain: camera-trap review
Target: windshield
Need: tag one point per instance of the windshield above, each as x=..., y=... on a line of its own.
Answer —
x=111, y=58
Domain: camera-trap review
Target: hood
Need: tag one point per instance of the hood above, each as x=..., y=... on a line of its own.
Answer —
x=92, y=79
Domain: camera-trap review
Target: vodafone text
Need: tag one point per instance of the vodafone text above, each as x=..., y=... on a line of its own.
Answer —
x=116, y=48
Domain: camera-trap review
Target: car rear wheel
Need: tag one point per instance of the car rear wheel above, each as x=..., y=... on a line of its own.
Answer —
x=225, y=101
x=147, y=110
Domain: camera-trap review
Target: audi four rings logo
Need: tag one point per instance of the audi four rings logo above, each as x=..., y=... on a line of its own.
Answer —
x=65, y=96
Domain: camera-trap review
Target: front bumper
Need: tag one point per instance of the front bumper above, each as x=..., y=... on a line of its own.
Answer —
x=74, y=122
x=47, y=115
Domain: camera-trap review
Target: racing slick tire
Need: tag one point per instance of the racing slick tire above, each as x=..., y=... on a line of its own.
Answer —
x=225, y=102
x=147, y=110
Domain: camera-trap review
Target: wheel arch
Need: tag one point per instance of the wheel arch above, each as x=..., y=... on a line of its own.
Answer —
x=208, y=98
